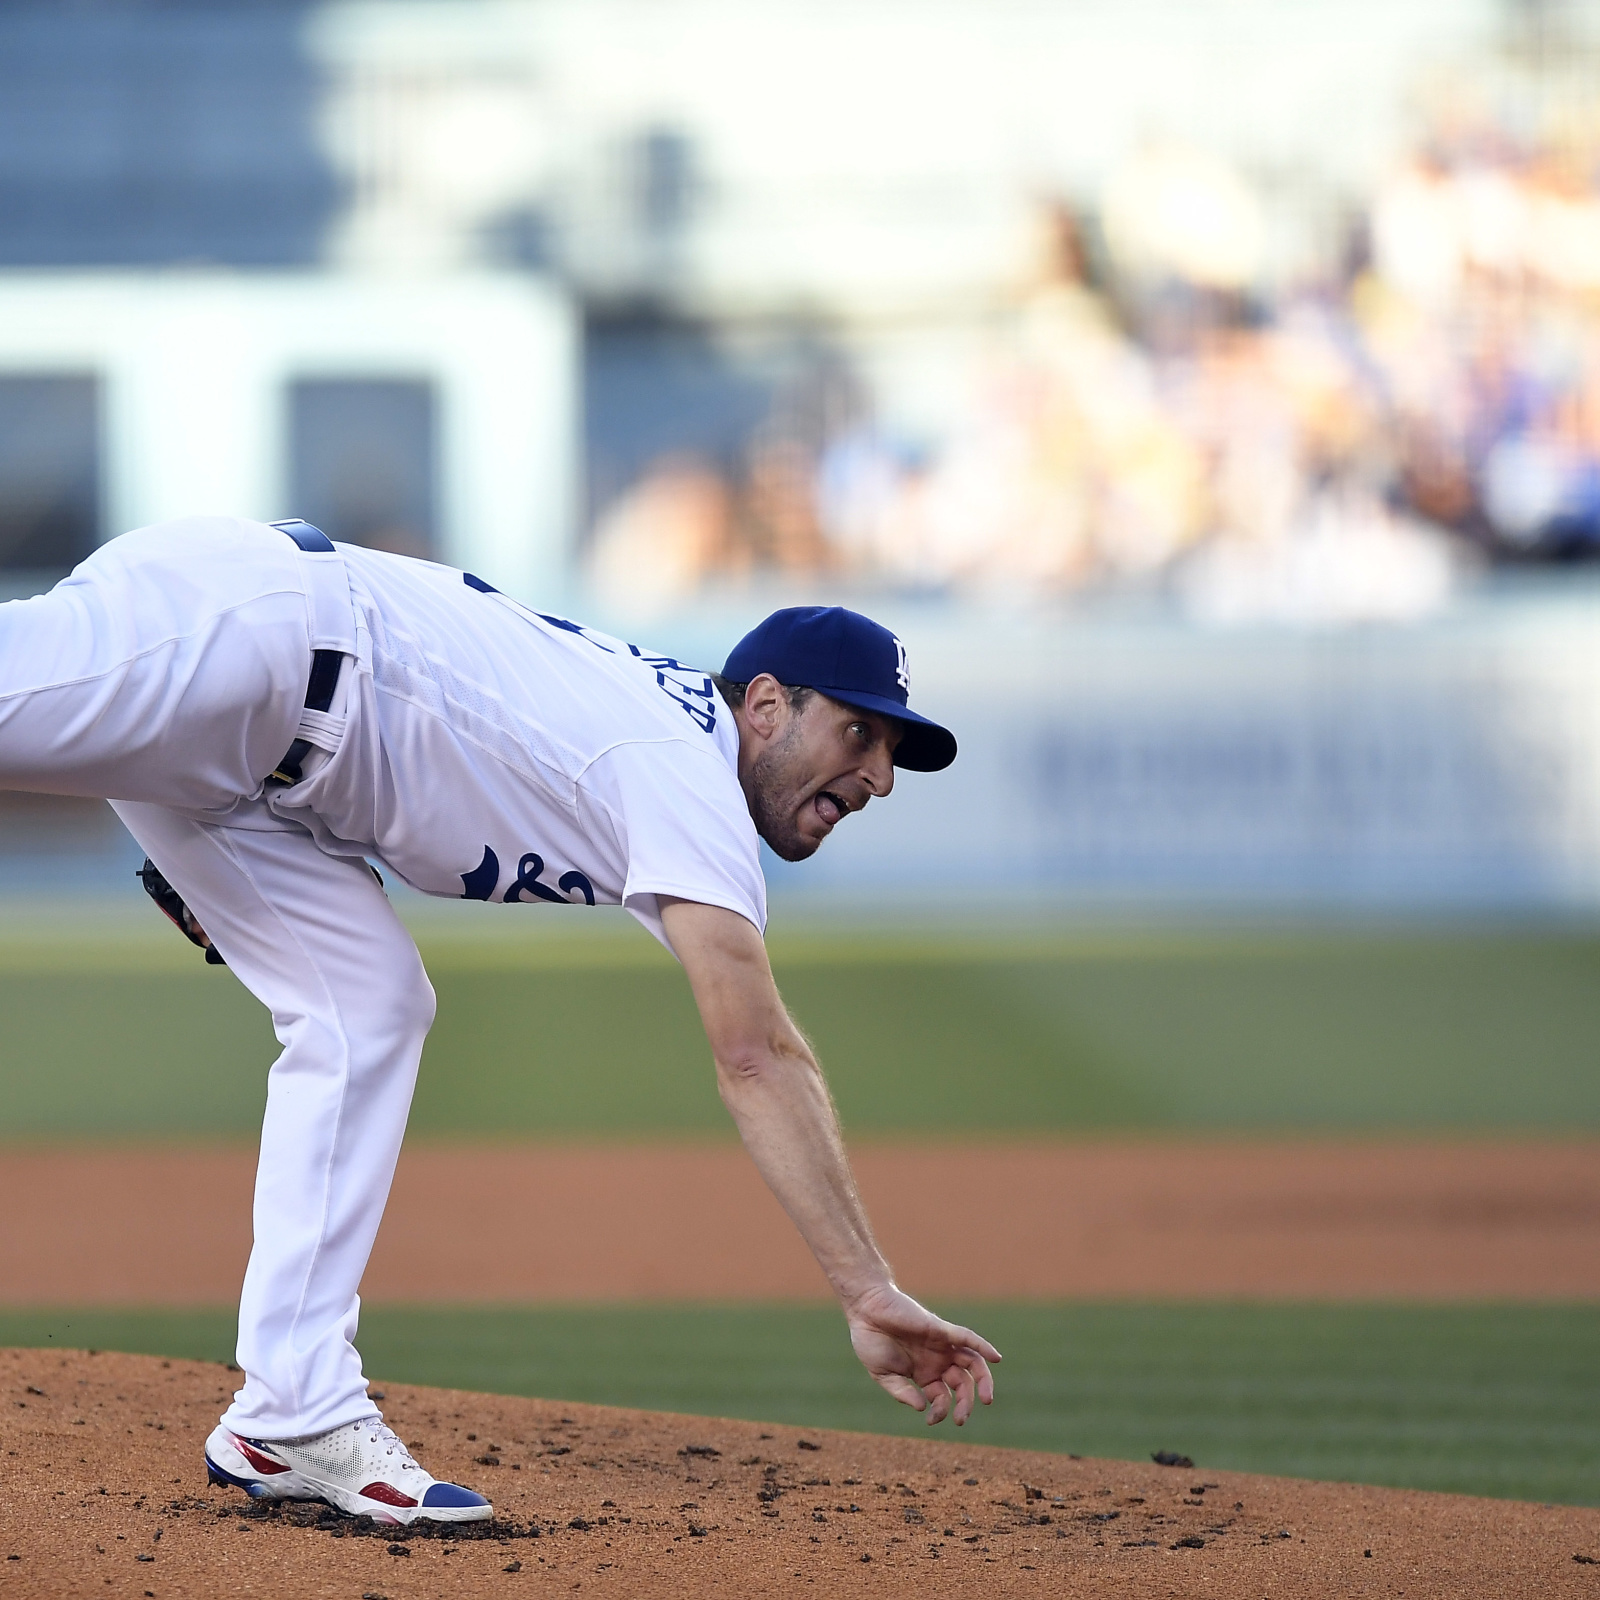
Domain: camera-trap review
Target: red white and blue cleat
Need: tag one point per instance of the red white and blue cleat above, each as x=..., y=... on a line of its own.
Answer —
x=361, y=1468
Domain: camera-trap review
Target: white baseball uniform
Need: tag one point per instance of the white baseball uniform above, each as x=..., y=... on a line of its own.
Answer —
x=478, y=749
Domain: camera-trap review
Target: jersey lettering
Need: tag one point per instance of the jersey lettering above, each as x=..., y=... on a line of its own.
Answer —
x=684, y=686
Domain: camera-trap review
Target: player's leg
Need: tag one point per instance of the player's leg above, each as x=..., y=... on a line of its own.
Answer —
x=170, y=666
x=314, y=938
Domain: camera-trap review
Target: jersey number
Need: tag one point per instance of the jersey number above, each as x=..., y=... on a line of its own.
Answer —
x=480, y=883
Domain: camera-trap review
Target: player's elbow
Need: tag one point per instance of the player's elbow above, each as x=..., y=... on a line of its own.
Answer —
x=739, y=1071
x=754, y=1070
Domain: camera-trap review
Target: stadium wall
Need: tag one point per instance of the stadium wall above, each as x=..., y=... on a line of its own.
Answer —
x=1454, y=763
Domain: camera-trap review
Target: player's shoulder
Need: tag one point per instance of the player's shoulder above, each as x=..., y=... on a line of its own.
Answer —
x=666, y=770
x=682, y=698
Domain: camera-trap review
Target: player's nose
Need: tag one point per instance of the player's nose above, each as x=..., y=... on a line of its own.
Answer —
x=877, y=771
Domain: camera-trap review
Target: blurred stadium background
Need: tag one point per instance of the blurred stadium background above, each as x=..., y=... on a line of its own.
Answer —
x=1208, y=392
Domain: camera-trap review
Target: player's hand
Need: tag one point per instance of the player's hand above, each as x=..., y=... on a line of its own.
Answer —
x=923, y=1361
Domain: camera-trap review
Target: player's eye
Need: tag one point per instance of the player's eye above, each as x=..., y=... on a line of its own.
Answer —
x=862, y=732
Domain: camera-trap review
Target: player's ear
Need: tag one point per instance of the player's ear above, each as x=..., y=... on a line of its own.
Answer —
x=766, y=705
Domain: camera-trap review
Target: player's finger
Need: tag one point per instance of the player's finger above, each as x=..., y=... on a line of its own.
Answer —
x=972, y=1362
x=968, y=1340
x=965, y=1391
x=960, y=1383
x=938, y=1401
x=903, y=1389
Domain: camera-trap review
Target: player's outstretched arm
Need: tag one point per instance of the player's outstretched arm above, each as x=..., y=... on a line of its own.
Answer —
x=775, y=1091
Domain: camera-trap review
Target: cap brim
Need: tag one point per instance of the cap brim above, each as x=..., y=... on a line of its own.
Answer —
x=924, y=745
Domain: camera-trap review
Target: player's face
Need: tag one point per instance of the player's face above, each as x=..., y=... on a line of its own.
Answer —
x=821, y=763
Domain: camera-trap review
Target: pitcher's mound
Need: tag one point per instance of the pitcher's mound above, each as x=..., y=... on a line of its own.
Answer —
x=103, y=1492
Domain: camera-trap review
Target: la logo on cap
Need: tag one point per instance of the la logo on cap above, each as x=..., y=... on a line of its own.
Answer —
x=902, y=672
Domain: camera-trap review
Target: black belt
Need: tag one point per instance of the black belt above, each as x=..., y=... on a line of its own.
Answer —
x=324, y=663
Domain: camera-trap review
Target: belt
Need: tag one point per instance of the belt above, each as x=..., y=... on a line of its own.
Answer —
x=325, y=664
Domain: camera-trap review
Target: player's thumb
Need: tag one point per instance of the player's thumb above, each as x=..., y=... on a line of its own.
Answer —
x=903, y=1390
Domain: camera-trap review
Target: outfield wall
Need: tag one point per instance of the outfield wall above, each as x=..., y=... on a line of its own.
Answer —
x=1451, y=763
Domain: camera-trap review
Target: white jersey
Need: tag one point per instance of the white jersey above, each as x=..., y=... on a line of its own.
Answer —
x=491, y=752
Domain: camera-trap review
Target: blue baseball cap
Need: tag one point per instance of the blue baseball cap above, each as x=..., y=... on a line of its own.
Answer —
x=849, y=658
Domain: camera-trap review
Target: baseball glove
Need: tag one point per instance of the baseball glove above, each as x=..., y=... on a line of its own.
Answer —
x=176, y=912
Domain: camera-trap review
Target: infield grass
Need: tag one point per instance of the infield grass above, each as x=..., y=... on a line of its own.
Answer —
x=582, y=1026
x=1492, y=1400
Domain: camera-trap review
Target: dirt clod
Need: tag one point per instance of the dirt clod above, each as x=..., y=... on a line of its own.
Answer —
x=1170, y=1458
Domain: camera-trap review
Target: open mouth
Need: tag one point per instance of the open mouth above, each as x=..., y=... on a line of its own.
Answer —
x=830, y=807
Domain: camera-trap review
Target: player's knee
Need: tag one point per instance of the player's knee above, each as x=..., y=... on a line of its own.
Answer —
x=413, y=1003
x=425, y=1002
x=399, y=1004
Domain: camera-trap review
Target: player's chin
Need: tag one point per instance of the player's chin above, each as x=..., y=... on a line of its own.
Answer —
x=792, y=843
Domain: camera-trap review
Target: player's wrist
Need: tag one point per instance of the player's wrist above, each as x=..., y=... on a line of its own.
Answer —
x=861, y=1291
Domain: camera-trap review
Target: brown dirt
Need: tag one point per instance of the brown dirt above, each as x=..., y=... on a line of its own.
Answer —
x=102, y=1493
x=1286, y=1219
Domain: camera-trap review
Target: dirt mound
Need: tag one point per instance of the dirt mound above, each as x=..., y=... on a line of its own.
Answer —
x=102, y=1492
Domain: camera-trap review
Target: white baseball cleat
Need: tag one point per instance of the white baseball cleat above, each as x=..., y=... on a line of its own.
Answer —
x=361, y=1468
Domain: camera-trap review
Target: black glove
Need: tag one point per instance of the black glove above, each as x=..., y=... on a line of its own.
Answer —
x=176, y=912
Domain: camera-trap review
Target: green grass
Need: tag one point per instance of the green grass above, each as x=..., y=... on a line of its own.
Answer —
x=578, y=1026
x=1494, y=1400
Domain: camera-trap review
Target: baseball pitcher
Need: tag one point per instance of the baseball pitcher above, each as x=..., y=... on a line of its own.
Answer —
x=267, y=710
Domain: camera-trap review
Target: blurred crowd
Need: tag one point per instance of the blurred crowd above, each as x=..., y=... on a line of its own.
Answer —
x=1142, y=414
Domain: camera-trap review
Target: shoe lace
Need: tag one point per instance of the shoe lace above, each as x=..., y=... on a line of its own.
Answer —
x=379, y=1432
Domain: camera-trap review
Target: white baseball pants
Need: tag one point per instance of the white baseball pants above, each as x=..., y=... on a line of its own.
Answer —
x=168, y=674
